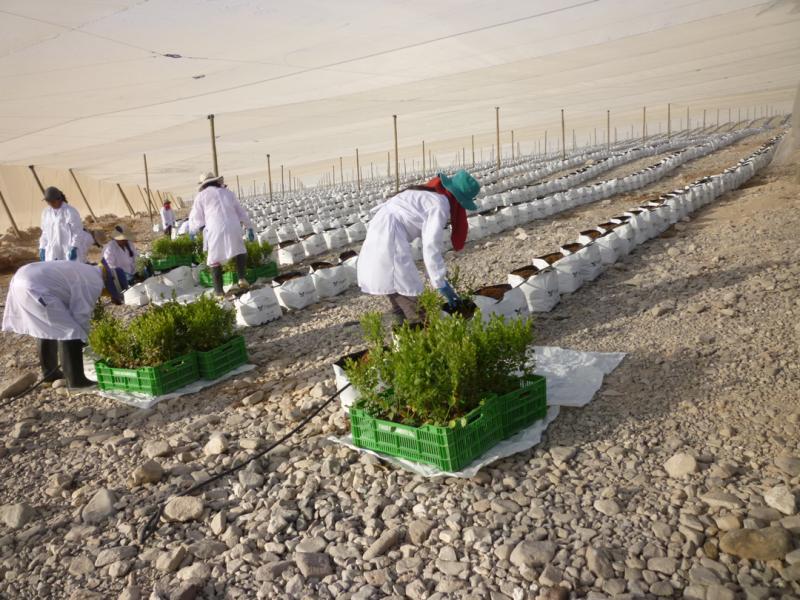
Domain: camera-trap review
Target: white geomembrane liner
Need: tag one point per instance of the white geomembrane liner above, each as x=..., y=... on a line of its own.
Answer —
x=573, y=378
x=144, y=401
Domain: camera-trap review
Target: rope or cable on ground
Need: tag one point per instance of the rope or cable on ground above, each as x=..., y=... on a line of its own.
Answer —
x=150, y=526
x=31, y=388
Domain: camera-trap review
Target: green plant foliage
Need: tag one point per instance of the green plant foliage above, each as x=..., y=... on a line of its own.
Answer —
x=441, y=372
x=161, y=333
x=258, y=253
x=165, y=247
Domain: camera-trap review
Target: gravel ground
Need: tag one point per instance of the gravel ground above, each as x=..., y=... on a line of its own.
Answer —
x=677, y=481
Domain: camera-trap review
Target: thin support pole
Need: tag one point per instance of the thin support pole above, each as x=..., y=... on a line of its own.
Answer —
x=423, y=158
x=283, y=189
x=80, y=191
x=149, y=202
x=358, y=171
x=125, y=198
x=341, y=171
x=396, y=157
x=644, y=125
x=8, y=213
x=473, y=151
x=608, y=130
x=669, y=120
x=238, y=188
x=269, y=177
x=512, y=144
x=497, y=132
x=36, y=177
x=214, y=145
x=563, y=138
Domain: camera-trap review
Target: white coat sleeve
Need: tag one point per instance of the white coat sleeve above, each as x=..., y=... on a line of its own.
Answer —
x=432, y=232
x=242, y=214
x=75, y=227
x=43, y=240
x=197, y=217
x=164, y=218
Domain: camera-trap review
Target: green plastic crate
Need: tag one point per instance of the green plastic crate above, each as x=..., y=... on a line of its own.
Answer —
x=170, y=262
x=521, y=408
x=268, y=270
x=154, y=381
x=451, y=448
x=222, y=359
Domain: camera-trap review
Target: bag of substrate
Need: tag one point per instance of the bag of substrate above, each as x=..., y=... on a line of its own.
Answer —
x=181, y=278
x=539, y=286
x=295, y=290
x=356, y=232
x=290, y=253
x=335, y=238
x=136, y=295
x=314, y=244
x=329, y=280
x=567, y=267
x=349, y=262
x=349, y=396
x=158, y=291
x=257, y=307
x=591, y=264
x=501, y=300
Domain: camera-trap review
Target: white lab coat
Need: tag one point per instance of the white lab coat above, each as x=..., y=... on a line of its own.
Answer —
x=385, y=262
x=60, y=231
x=220, y=212
x=118, y=258
x=85, y=242
x=167, y=217
x=53, y=300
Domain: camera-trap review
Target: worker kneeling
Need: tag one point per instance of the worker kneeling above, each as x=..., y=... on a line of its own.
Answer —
x=53, y=302
x=386, y=263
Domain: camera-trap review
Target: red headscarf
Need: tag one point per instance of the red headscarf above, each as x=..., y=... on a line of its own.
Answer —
x=458, y=214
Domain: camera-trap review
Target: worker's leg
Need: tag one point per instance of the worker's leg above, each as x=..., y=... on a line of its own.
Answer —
x=71, y=352
x=405, y=308
x=168, y=231
x=216, y=277
x=397, y=312
x=241, y=270
x=48, y=359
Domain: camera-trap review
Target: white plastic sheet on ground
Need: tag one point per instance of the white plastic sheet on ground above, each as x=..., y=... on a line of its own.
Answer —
x=144, y=401
x=573, y=378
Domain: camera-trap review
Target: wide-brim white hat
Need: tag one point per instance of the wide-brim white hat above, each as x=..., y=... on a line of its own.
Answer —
x=209, y=177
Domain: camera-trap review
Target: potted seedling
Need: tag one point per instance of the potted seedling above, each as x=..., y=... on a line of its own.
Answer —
x=166, y=253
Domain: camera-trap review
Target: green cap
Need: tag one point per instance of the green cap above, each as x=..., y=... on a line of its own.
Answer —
x=463, y=186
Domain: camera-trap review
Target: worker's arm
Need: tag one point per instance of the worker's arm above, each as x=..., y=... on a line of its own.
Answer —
x=75, y=227
x=197, y=217
x=432, y=232
x=43, y=239
x=241, y=213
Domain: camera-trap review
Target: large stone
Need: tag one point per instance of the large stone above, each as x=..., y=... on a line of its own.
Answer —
x=562, y=454
x=388, y=540
x=788, y=464
x=205, y=549
x=111, y=555
x=663, y=564
x=772, y=543
x=16, y=515
x=149, y=472
x=184, y=508
x=100, y=507
x=781, y=498
x=273, y=570
x=198, y=571
x=608, y=507
x=313, y=564
x=20, y=384
x=532, y=554
x=217, y=444
x=599, y=562
x=419, y=531
x=170, y=560
x=720, y=499
x=156, y=448
x=680, y=465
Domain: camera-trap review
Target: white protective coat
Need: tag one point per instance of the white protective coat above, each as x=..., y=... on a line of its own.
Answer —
x=386, y=264
x=53, y=300
x=85, y=242
x=119, y=258
x=220, y=212
x=60, y=231
x=167, y=217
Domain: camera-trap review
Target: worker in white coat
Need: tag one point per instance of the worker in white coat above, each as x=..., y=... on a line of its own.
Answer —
x=61, y=226
x=53, y=302
x=86, y=240
x=217, y=211
x=167, y=218
x=386, y=263
x=120, y=253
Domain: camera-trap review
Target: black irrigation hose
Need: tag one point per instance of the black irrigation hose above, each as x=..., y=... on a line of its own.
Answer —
x=150, y=526
x=31, y=388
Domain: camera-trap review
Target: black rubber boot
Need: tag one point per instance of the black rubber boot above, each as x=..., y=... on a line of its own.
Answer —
x=71, y=352
x=241, y=270
x=48, y=359
x=216, y=277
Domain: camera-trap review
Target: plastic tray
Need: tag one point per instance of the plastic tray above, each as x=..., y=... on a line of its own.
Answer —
x=170, y=262
x=154, y=381
x=222, y=359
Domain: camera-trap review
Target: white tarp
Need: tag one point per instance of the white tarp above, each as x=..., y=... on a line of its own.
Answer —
x=573, y=378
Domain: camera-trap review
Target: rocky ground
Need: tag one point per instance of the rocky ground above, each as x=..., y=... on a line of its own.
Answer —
x=678, y=480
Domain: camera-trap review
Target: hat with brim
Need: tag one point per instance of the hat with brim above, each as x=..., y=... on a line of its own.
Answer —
x=464, y=188
x=207, y=178
x=121, y=234
x=53, y=194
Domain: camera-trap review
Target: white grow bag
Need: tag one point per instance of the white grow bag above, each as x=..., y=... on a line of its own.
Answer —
x=591, y=263
x=295, y=293
x=180, y=278
x=291, y=254
x=330, y=280
x=349, y=263
x=335, y=238
x=356, y=232
x=539, y=286
x=610, y=246
x=158, y=291
x=136, y=295
x=567, y=267
x=350, y=395
x=257, y=307
x=477, y=227
x=511, y=305
x=314, y=244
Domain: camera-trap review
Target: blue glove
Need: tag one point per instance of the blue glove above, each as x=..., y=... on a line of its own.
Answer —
x=191, y=236
x=73, y=253
x=41, y=254
x=448, y=292
x=251, y=235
